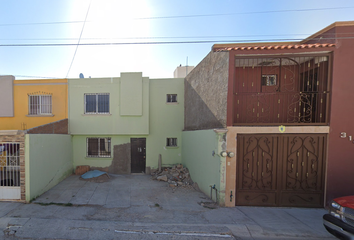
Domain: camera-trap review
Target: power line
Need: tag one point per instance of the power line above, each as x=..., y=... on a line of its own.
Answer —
x=171, y=37
x=135, y=38
x=156, y=43
x=246, y=13
x=125, y=43
x=186, y=16
x=82, y=30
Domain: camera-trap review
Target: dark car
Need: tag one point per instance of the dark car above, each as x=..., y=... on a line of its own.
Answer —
x=340, y=219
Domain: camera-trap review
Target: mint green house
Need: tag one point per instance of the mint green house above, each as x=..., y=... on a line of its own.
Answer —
x=121, y=125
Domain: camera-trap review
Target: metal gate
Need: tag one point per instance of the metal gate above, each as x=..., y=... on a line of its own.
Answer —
x=278, y=90
x=281, y=170
x=10, y=171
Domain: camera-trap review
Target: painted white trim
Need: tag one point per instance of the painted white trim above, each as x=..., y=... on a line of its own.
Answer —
x=10, y=193
x=41, y=115
x=96, y=114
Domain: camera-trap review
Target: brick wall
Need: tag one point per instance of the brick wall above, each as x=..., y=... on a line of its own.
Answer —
x=58, y=127
x=19, y=137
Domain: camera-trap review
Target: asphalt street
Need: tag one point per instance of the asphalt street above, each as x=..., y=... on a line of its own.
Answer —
x=136, y=207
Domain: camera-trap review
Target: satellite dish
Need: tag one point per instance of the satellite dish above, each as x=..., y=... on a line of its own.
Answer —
x=81, y=75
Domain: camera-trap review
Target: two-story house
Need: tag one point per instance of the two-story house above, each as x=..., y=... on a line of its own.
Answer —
x=122, y=124
x=282, y=113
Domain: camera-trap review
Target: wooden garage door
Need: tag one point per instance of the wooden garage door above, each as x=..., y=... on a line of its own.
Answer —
x=280, y=170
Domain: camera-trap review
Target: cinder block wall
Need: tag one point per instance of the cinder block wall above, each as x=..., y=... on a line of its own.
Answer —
x=205, y=93
x=59, y=127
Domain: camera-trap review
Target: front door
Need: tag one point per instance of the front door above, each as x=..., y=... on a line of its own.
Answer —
x=138, y=155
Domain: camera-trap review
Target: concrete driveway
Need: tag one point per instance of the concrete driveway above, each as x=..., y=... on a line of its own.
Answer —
x=136, y=207
x=121, y=191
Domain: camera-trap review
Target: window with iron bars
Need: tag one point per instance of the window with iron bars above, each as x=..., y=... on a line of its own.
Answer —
x=39, y=104
x=171, y=142
x=96, y=103
x=269, y=80
x=98, y=147
x=171, y=98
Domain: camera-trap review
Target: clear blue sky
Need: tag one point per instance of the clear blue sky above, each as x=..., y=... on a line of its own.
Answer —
x=147, y=21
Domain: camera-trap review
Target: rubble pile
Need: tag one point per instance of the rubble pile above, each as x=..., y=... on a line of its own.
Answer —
x=176, y=176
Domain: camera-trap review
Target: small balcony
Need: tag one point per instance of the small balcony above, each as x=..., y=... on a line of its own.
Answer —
x=281, y=90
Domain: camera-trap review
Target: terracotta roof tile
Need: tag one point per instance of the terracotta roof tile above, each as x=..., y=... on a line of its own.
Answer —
x=271, y=47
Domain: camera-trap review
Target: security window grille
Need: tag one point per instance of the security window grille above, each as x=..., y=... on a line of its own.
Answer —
x=171, y=142
x=96, y=103
x=39, y=104
x=171, y=98
x=98, y=147
x=269, y=80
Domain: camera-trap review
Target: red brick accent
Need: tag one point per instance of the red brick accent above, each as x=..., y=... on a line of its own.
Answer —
x=58, y=127
x=82, y=169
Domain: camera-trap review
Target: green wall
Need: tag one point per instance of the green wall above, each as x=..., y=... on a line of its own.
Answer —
x=165, y=121
x=79, y=150
x=113, y=123
x=131, y=94
x=197, y=155
x=48, y=160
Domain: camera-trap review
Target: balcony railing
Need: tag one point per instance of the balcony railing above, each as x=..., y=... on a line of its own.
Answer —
x=276, y=108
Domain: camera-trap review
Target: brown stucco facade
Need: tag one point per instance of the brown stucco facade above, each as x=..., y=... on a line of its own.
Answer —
x=339, y=164
x=340, y=167
x=337, y=44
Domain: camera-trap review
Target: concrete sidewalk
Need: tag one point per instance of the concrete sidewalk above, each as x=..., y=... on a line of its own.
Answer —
x=136, y=207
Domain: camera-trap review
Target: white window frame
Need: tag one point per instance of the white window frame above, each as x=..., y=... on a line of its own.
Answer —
x=43, y=107
x=171, y=142
x=100, y=153
x=96, y=94
x=171, y=98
